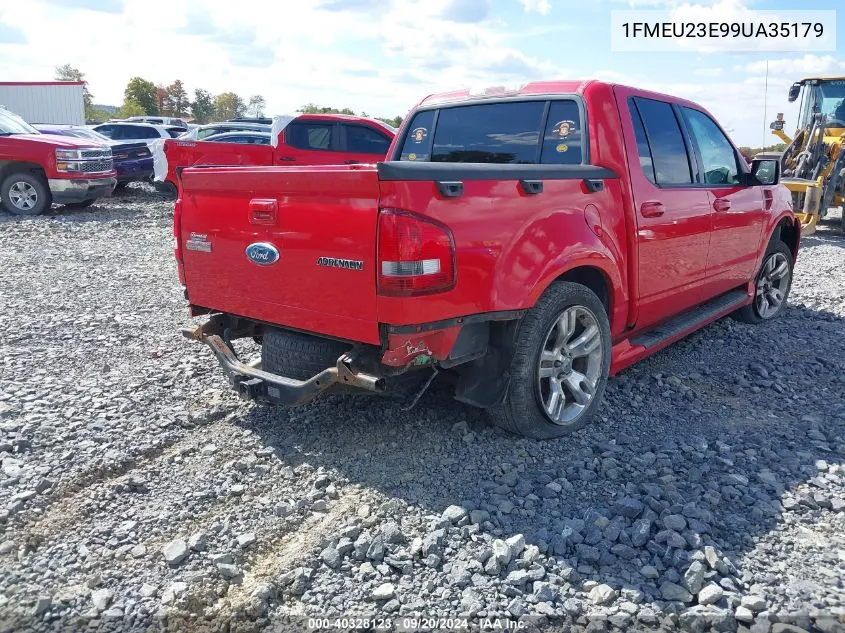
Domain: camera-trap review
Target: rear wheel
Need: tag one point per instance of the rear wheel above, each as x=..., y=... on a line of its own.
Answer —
x=167, y=188
x=771, y=287
x=24, y=193
x=560, y=365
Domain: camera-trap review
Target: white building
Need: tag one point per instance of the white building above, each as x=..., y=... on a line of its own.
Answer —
x=44, y=101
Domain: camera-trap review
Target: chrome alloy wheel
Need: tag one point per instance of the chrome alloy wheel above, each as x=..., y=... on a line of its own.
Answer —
x=772, y=285
x=23, y=195
x=570, y=365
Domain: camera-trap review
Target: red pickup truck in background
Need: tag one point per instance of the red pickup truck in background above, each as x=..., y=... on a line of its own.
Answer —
x=37, y=170
x=305, y=139
x=531, y=243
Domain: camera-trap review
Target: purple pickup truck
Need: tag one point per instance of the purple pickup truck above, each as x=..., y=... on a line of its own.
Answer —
x=133, y=161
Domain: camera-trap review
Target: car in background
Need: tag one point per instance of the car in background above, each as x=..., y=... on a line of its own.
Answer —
x=243, y=136
x=252, y=119
x=301, y=139
x=133, y=162
x=201, y=132
x=128, y=131
x=38, y=170
x=159, y=120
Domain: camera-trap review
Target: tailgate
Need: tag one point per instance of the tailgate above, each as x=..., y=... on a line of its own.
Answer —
x=293, y=246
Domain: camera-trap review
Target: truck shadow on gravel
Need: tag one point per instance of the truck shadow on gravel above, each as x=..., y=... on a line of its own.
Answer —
x=700, y=454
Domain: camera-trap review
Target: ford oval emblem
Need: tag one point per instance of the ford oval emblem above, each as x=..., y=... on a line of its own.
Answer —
x=262, y=253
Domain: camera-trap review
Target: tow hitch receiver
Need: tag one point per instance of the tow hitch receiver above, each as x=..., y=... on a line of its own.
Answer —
x=253, y=383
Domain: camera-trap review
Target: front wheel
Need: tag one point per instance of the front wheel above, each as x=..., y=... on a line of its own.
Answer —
x=771, y=286
x=560, y=366
x=24, y=193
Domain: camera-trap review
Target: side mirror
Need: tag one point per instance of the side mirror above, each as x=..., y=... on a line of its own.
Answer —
x=765, y=171
x=794, y=91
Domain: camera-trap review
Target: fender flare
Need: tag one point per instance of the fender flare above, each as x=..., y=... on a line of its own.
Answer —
x=617, y=293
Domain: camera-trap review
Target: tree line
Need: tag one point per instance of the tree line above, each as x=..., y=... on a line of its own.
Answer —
x=311, y=108
x=750, y=152
x=144, y=98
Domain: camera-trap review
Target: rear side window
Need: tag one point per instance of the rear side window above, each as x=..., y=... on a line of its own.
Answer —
x=310, y=135
x=417, y=145
x=361, y=139
x=516, y=132
x=489, y=133
x=642, y=143
x=562, y=140
x=668, y=150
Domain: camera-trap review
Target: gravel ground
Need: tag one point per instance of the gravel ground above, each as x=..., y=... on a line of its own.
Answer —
x=138, y=493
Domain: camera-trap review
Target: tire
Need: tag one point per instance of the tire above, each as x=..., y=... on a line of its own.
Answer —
x=167, y=188
x=25, y=193
x=762, y=308
x=80, y=205
x=523, y=411
x=297, y=355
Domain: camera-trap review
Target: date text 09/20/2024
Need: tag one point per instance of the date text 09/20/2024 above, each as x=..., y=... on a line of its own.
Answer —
x=416, y=623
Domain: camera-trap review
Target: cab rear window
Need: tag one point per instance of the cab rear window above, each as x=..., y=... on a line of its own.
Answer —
x=520, y=132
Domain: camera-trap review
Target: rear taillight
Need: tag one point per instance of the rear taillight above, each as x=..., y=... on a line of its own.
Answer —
x=416, y=255
x=177, y=247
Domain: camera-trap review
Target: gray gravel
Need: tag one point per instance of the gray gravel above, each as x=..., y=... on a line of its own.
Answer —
x=137, y=492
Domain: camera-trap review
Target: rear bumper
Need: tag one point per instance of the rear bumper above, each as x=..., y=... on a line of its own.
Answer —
x=66, y=190
x=253, y=383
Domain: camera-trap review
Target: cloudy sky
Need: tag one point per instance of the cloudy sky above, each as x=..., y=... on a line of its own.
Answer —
x=383, y=55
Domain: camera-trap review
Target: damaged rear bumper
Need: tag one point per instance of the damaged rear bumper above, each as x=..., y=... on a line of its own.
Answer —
x=253, y=383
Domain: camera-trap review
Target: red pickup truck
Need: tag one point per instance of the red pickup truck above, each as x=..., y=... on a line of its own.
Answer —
x=305, y=139
x=530, y=243
x=37, y=170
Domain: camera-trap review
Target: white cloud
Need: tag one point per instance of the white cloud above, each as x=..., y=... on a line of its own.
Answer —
x=707, y=72
x=536, y=6
x=361, y=54
x=663, y=4
x=808, y=64
x=744, y=107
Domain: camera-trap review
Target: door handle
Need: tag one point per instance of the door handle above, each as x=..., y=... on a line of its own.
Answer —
x=652, y=209
x=350, y=162
x=263, y=211
x=721, y=204
x=531, y=187
x=593, y=185
x=287, y=158
x=450, y=188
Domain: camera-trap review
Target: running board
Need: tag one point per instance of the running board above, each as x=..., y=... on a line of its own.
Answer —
x=690, y=319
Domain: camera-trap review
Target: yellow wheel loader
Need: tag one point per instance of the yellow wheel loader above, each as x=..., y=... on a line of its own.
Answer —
x=813, y=164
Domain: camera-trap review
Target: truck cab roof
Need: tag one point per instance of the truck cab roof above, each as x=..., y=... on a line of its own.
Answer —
x=534, y=89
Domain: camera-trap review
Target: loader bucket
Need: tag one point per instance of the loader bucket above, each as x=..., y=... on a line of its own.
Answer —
x=806, y=198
